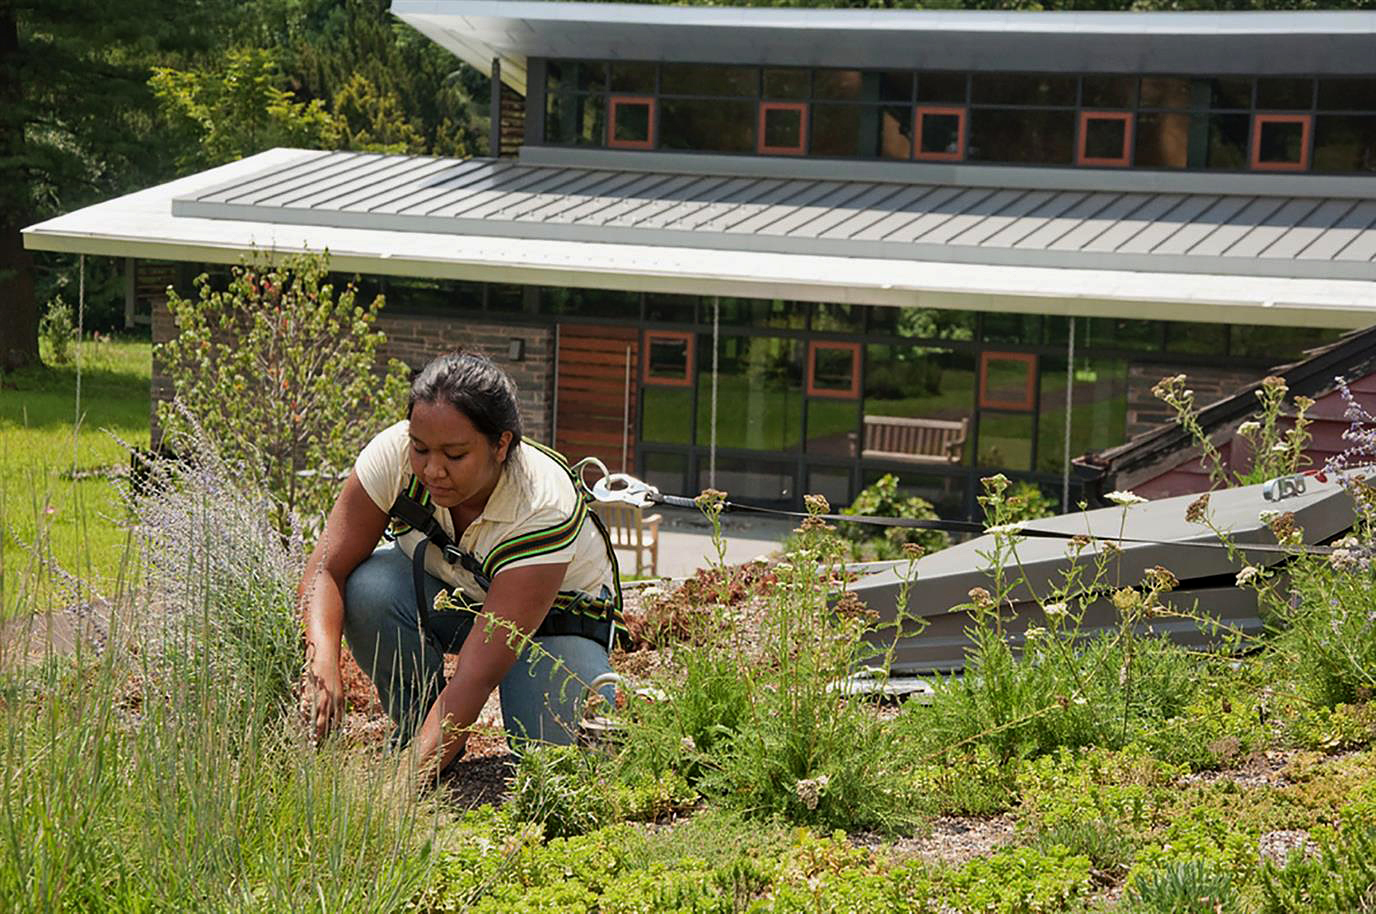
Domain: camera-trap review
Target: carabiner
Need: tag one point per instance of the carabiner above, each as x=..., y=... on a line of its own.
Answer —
x=625, y=488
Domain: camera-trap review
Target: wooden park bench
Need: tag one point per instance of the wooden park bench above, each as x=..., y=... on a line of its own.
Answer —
x=915, y=440
x=630, y=529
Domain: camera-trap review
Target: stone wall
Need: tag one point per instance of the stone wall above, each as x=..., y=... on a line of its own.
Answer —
x=416, y=339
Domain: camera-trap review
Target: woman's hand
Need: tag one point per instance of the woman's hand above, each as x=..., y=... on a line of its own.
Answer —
x=326, y=695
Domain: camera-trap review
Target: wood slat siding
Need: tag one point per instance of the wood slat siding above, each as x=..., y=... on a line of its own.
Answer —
x=591, y=395
x=512, y=128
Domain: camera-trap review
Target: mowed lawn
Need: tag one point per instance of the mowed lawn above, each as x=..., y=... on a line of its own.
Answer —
x=47, y=512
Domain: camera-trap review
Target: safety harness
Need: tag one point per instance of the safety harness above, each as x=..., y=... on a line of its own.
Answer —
x=573, y=613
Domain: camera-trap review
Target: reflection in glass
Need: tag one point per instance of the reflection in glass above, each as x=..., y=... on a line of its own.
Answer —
x=1005, y=441
x=1108, y=91
x=1162, y=140
x=708, y=79
x=660, y=306
x=575, y=76
x=1347, y=94
x=833, y=367
x=946, y=493
x=838, y=318
x=755, y=481
x=760, y=312
x=1344, y=142
x=1022, y=89
x=666, y=414
x=576, y=120
x=1285, y=93
x=831, y=427
x=1228, y=136
x=1230, y=92
x=862, y=131
x=666, y=472
x=785, y=83
x=941, y=87
x=1098, y=417
x=716, y=125
x=1280, y=142
x=924, y=323
x=633, y=77
x=667, y=357
x=831, y=482
x=1165, y=92
x=1208, y=339
x=759, y=393
x=1021, y=135
x=914, y=382
x=1011, y=328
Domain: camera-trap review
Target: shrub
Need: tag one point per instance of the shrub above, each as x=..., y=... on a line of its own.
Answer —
x=558, y=787
x=881, y=499
x=280, y=370
x=1182, y=888
x=57, y=331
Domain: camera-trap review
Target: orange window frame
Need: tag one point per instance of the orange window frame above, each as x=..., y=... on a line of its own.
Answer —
x=689, y=340
x=1029, y=398
x=765, y=149
x=617, y=101
x=1260, y=120
x=1120, y=161
x=850, y=393
x=921, y=111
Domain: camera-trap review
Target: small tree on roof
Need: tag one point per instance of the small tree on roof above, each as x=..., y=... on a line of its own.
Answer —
x=283, y=370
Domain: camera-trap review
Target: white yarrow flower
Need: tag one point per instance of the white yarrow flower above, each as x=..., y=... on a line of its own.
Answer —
x=1014, y=527
x=1124, y=498
x=1249, y=428
x=1054, y=610
x=1034, y=632
x=1247, y=575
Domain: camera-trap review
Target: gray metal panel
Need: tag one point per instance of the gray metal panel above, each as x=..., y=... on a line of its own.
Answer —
x=1181, y=216
x=365, y=198
x=337, y=194
x=1056, y=232
x=700, y=192
x=897, y=211
x=1265, y=232
x=572, y=184
x=1295, y=238
x=1187, y=237
x=879, y=198
x=1235, y=229
x=949, y=227
x=1024, y=217
x=803, y=221
x=810, y=201
x=1120, y=228
x=456, y=175
x=606, y=195
x=1353, y=223
x=322, y=173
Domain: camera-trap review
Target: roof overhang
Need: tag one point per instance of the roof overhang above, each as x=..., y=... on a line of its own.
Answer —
x=146, y=224
x=1311, y=43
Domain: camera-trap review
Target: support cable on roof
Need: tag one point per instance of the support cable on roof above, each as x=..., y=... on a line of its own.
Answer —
x=1069, y=399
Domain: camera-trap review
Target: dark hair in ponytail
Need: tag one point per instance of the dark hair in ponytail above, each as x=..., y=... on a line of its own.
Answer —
x=469, y=382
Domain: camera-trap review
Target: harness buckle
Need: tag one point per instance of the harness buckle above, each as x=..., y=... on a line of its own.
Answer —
x=451, y=554
x=625, y=488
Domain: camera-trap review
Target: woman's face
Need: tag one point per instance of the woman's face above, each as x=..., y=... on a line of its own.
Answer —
x=455, y=461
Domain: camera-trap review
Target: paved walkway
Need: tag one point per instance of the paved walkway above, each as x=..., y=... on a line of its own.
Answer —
x=686, y=541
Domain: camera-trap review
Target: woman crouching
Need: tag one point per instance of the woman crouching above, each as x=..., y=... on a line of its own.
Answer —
x=498, y=522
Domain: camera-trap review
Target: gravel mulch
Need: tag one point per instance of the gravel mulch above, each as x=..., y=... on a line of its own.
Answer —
x=950, y=840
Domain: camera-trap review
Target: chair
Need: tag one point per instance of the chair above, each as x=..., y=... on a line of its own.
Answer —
x=629, y=528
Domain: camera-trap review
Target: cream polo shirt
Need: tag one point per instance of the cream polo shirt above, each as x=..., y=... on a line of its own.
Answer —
x=533, y=492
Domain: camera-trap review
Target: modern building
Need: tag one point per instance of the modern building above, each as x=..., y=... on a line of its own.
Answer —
x=782, y=251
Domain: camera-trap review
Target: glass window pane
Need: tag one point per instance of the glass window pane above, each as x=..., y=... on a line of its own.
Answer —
x=759, y=312
x=1162, y=140
x=633, y=77
x=708, y=79
x=923, y=323
x=666, y=358
x=894, y=85
x=913, y=382
x=430, y=295
x=1277, y=343
x=1022, y=89
x=1105, y=137
x=831, y=427
x=666, y=472
x=837, y=84
x=1011, y=328
x=1021, y=135
x=786, y=83
x=867, y=131
x=511, y=299
x=755, y=481
x=941, y=87
x=1005, y=441
x=838, y=318
x=1349, y=94
x=1230, y=92
x=783, y=127
x=1280, y=142
x=1288, y=92
x=679, y=309
x=940, y=132
x=945, y=493
x=1344, y=142
x=1165, y=92
x=1208, y=339
x=575, y=120
x=1098, y=417
x=707, y=126
x=575, y=75
x=833, y=368
x=665, y=413
x=831, y=482
x=759, y=392
x=1228, y=136
x=589, y=302
x=632, y=122
x=1108, y=91
x=1118, y=333
x=836, y=130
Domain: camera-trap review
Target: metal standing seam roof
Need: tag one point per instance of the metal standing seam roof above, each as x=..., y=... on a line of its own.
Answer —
x=1173, y=232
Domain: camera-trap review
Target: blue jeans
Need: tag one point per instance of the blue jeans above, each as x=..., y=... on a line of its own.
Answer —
x=380, y=622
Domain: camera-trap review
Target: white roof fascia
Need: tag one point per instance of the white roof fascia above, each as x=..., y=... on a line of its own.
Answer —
x=142, y=225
